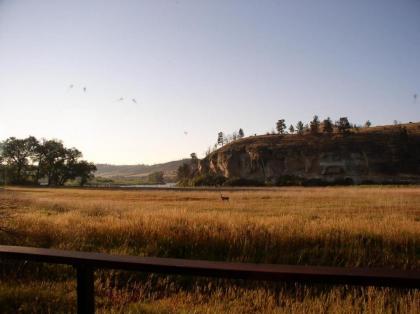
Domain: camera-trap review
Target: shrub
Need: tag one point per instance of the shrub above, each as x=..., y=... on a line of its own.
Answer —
x=242, y=182
x=208, y=180
x=343, y=181
x=314, y=182
x=289, y=180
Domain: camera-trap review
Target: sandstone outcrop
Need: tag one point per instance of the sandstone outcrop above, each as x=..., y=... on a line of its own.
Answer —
x=377, y=155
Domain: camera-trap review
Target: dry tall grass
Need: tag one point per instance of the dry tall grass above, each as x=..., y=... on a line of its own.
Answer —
x=346, y=226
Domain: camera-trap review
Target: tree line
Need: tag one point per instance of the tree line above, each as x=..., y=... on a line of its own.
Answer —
x=223, y=139
x=32, y=161
x=316, y=126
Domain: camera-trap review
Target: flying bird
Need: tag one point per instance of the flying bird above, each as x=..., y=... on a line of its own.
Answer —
x=120, y=99
x=134, y=100
x=415, y=97
x=185, y=133
x=84, y=89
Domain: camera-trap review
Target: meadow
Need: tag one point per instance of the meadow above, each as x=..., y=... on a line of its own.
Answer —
x=370, y=226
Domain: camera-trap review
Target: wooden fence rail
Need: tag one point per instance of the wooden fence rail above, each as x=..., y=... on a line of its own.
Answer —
x=86, y=263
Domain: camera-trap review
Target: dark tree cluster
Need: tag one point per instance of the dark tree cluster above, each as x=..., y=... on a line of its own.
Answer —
x=316, y=126
x=184, y=174
x=223, y=139
x=30, y=161
x=156, y=177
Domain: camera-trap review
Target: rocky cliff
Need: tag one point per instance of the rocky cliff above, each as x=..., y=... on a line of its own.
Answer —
x=389, y=154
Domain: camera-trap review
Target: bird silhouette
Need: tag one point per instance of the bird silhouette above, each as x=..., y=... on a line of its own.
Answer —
x=185, y=133
x=84, y=89
x=134, y=100
x=415, y=98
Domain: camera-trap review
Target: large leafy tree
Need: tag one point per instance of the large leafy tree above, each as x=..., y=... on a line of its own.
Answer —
x=67, y=170
x=28, y=160
x=52, y=161
x=81, y=170
x=18, y=154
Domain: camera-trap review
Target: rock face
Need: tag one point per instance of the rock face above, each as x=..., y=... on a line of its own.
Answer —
x=387, y=155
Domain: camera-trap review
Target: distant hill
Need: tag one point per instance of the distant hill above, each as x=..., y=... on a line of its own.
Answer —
x=382, y=154
x=137, y=171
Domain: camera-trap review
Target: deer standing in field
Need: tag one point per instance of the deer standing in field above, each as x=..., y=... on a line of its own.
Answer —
x=224, y=198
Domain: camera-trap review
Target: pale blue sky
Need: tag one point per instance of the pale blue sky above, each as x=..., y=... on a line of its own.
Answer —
x=201, y=67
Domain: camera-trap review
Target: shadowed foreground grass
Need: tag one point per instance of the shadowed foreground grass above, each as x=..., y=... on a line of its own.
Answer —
x=343, y=226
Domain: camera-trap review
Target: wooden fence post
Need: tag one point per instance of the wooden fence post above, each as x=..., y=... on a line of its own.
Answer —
x=85, y=290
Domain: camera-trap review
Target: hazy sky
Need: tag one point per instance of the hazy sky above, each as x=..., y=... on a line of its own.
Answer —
x=201, y=67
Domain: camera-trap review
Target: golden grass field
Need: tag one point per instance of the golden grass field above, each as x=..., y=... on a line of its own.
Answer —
x=338, y=226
